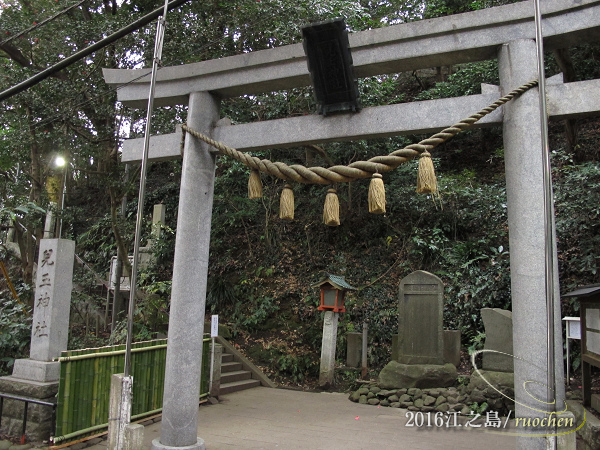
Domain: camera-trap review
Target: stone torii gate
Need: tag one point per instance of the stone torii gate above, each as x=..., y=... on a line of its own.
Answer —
x=506, y=33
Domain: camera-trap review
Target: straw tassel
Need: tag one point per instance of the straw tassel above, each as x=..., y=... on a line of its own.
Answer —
x=426, y=181
x=254, y=185
x=331, y=211
x=286, y=203
x=377, y=195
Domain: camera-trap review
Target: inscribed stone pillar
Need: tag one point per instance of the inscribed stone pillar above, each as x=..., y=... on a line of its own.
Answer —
x=327, y=369
x=353, y=349
x=179, y=424
x=525, y=200
x=52, y=303
x=420, y=319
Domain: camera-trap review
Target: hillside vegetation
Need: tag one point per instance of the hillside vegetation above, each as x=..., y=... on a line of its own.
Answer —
x=261, y=268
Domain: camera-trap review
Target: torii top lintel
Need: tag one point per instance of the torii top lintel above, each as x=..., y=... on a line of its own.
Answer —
x=455, y=39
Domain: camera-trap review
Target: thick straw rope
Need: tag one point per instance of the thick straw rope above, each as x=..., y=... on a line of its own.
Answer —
x=358, y=169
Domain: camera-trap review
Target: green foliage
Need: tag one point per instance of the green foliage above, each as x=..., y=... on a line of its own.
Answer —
x=477, y=342
x=577, y=223
x=298, y=367
x=466, y=80
x=477, y=408
x=15, y=332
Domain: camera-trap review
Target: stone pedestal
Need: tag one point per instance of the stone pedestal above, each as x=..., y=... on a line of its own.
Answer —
x=39, y=417
x=37, y=377
x=396, y=375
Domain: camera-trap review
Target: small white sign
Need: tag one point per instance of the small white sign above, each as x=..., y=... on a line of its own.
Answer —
x=214, y=325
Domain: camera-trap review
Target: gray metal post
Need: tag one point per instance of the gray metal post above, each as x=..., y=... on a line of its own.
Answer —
x=190, y=271
x=525, y=192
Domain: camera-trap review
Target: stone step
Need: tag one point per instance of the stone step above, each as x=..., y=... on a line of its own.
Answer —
x=227, y=388
x=237, y=375
x=230, y=366
x=226, y=357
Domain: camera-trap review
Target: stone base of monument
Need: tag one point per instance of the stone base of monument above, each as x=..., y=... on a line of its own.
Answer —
x=30, y=369
x=490, y=389
x=39, y=417
x=396, y=375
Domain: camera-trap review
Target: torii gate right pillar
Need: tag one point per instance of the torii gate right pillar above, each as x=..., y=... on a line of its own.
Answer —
x=523, y=149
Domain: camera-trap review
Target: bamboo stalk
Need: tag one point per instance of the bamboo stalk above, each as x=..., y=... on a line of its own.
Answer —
x=95, y=391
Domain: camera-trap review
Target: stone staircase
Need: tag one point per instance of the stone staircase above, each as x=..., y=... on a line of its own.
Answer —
x=233, y=376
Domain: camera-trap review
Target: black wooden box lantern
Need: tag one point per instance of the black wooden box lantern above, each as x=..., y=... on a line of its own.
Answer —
x=333, y=293
x=589, y=310
x=330, y=65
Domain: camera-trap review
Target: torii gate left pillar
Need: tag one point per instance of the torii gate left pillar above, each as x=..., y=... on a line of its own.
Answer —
x=179, y=426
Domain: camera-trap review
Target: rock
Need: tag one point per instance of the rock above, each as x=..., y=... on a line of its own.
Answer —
x=384, y=402
x=401, y=391
x=396, y=375
x=419, y=403
x=441, y=399
x=4, y=445
x=458, y=406
x=477, y=396
x=490, y=392
x=444, y=407
x=497, y=379
x=434, y=392
x=375, y=389
x=428, y=400
x=427, y=409
x=395, y=405
x=405, y=398
x=414, y=392
x=393, y=398
x=466, y=410
x=413, y=408
x=383, y=393
x=370, y=395
x=362, y=400
x=373, y=401
x=406, y=404
x=363, y=391
x=355, y=396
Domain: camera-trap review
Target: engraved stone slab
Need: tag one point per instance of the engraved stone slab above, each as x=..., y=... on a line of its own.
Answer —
x=499, y=338
x=420, y=319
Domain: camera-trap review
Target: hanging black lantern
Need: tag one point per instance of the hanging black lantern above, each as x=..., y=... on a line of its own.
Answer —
x=330, y=65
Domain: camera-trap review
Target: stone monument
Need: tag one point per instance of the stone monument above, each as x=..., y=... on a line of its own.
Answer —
x=498, y=338
x=496, y=374
x=418, y=356
x=37, y=377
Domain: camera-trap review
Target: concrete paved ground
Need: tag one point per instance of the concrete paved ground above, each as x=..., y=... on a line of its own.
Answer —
x=263, y=418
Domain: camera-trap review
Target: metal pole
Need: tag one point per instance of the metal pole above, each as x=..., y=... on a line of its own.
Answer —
x=548, y=213
x=160, y=32
x=125, y=409
x=62, y=201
